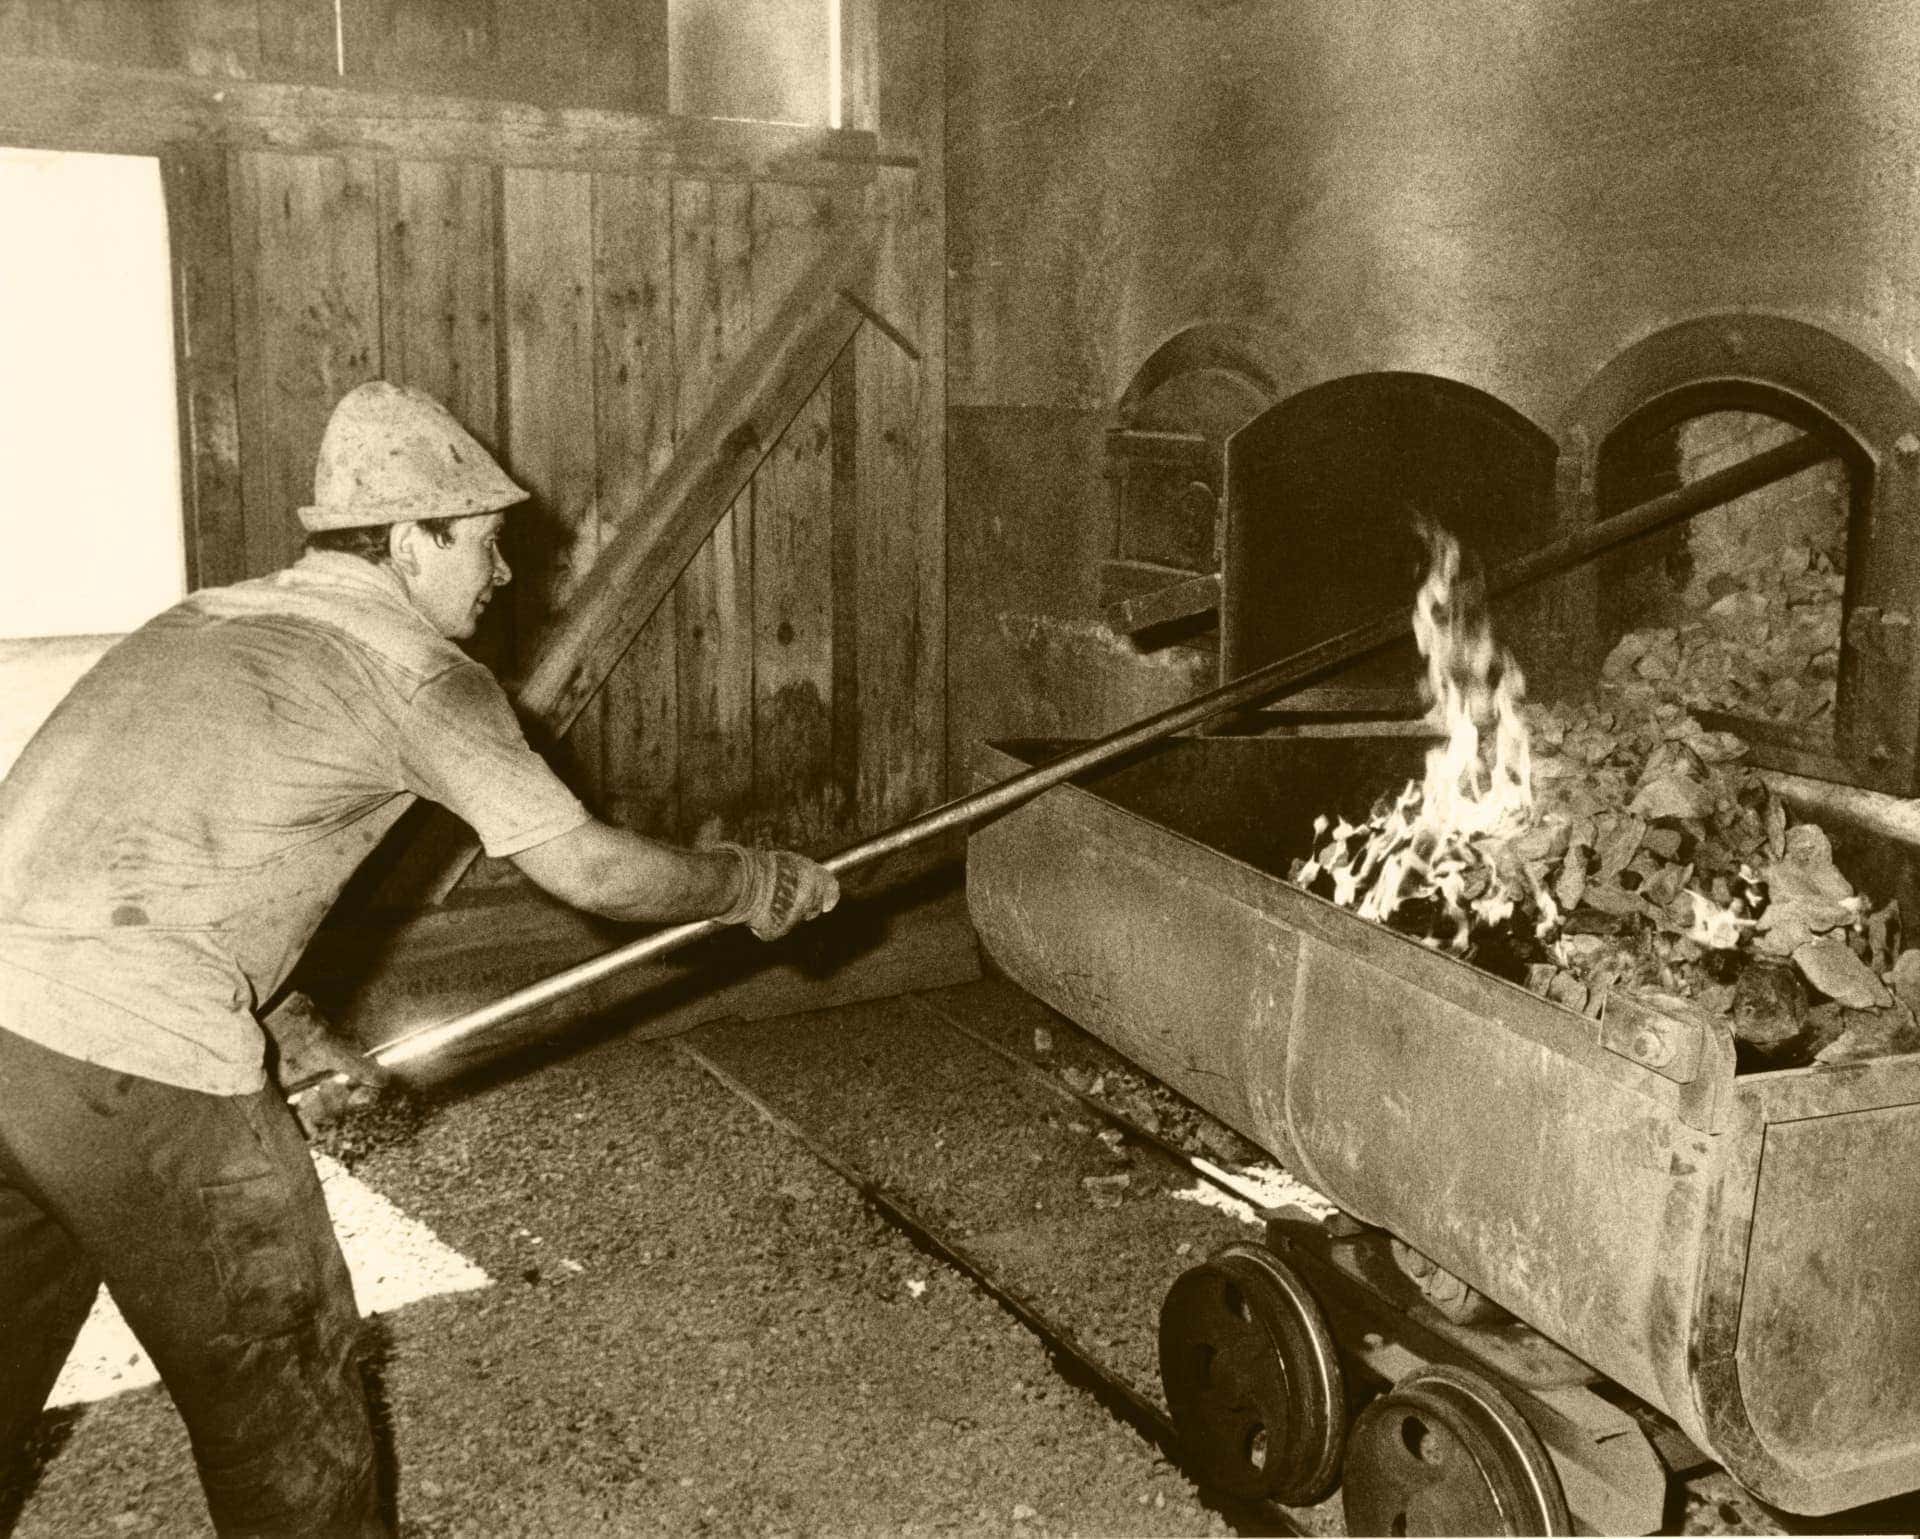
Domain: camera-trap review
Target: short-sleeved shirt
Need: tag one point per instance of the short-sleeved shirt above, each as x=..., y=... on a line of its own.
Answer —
x=176, y=831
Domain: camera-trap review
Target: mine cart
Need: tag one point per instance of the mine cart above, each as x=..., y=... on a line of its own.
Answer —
x=1678, y=1253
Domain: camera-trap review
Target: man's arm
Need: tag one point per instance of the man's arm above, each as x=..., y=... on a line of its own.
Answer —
x=628, y=876
x=624, y=875
x=464, y=749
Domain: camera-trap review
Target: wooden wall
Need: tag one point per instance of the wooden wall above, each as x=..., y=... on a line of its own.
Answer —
x=584, y=53
x=574, y=284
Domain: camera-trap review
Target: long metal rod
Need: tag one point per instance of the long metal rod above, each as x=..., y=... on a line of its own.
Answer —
x=1287, y=673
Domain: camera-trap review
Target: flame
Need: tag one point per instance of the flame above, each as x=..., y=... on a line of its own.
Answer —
x=1442, y=836
x=1717, y=926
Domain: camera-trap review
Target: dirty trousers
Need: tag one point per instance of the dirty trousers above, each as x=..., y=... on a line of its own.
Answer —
x=204, y=1217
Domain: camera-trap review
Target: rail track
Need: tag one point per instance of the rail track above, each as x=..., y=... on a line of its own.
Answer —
x=924, y=1104
x=1077, y=1353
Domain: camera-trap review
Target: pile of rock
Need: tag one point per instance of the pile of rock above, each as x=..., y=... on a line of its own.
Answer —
x=1767, y=645
x=1672, y=868
x=1657, y=861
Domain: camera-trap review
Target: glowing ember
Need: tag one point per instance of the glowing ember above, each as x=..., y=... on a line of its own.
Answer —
x=1443, y=837
x=1717, y=926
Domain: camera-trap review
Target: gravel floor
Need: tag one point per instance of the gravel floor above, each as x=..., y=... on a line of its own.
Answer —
x=695, y=1327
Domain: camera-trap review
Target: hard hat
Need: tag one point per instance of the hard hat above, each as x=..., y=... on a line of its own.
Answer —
x=391, y=454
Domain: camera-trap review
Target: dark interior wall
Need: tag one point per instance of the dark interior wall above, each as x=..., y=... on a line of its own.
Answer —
x=1503, y=195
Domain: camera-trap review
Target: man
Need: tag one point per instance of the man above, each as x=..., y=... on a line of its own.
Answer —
x=169, y=841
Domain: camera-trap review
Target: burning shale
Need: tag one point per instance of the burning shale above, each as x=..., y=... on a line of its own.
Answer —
x=1614, y=844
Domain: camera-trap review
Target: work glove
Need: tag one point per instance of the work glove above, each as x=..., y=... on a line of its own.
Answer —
x=778, y=890
x=309, y=1051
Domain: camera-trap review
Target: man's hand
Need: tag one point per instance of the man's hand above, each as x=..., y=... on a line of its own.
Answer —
x=308, y=1051
x=778, y=890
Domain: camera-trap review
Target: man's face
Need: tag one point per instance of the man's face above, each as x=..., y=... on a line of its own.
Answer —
x=450, y=584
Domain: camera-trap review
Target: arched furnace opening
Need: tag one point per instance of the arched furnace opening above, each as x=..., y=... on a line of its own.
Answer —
x=1325, y=494
x=1795, y=612
x=1736, y=613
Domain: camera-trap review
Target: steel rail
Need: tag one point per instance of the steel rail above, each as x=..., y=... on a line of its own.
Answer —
x=1072, y=1359
x=1273, y=678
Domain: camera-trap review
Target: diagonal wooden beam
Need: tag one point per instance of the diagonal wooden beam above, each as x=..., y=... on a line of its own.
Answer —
x=710, y=467
x=577, y=651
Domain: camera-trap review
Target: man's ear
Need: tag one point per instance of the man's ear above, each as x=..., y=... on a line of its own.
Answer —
x=403, y=546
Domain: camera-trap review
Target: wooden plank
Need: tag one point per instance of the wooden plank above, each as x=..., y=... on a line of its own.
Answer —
x=250, y=386
x=297, y=38
x=674, y=515
x=139, y=34
x=363, y=26
x=646, y=27
x=712, y=321
x=439, y=47
x=917, y=288
x=547, y=254
x=416, y=34
x=901, y=614
x=117, y=32
x=633, y=360
x=439, y=307
x=596, y=53
x=314, y=303
x=909, y=111
x=438, y=276
x=60, y=105
x=843, y=387
x=219, y=38
x=793, y=794
x=538, y=44
x=580, y=53
x=201, y=241
x=793, y=787
x=912, y=124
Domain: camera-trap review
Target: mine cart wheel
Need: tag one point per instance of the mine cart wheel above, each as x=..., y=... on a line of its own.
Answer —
x=1253, y=1378
x=1444, y=1452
